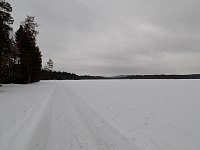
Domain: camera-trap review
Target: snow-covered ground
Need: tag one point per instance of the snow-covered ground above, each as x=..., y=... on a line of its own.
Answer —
x=101, y=115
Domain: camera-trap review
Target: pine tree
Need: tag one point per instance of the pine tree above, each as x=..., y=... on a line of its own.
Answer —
x=5, y=41
x=29, y=53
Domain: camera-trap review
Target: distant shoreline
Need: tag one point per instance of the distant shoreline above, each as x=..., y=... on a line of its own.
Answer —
x=162, y=76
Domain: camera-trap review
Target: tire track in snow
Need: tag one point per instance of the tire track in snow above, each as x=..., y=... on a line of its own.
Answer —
x=75, y=126
x=62, y=121
x=19, y=137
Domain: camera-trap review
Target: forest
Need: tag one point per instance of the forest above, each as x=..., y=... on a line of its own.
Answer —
x=20, y=56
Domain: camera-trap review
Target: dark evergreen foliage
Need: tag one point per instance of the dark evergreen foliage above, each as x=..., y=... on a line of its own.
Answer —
x=54, y=75
x=29, y=54
x=88, y=77
x=5, y=41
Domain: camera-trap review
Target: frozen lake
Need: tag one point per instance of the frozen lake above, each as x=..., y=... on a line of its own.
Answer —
x=101, y=115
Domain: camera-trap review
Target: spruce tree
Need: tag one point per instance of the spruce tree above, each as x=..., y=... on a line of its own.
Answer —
x=5, y=41
x=29, y=53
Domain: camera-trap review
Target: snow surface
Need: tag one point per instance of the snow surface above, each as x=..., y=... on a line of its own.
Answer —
x=101, y=115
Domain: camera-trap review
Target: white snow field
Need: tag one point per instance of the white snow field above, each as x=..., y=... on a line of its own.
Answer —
x=101, y=115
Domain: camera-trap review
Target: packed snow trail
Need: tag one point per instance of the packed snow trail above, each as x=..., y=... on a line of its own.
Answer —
x=56, y=119
x=101, y=115
x=21, y=110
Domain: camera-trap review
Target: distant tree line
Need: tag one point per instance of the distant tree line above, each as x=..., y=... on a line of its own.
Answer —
x=88, y=77
x=57, y=75
x=47, y=73
x=20, y=57
x=162, y=76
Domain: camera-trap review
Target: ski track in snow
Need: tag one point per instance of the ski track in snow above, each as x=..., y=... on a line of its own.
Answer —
x=52, y=117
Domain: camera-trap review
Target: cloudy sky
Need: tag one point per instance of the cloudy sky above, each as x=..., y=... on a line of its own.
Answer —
x=114, y=37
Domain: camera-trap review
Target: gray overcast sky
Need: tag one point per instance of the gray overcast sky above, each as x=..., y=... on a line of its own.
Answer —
x=112, y=37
